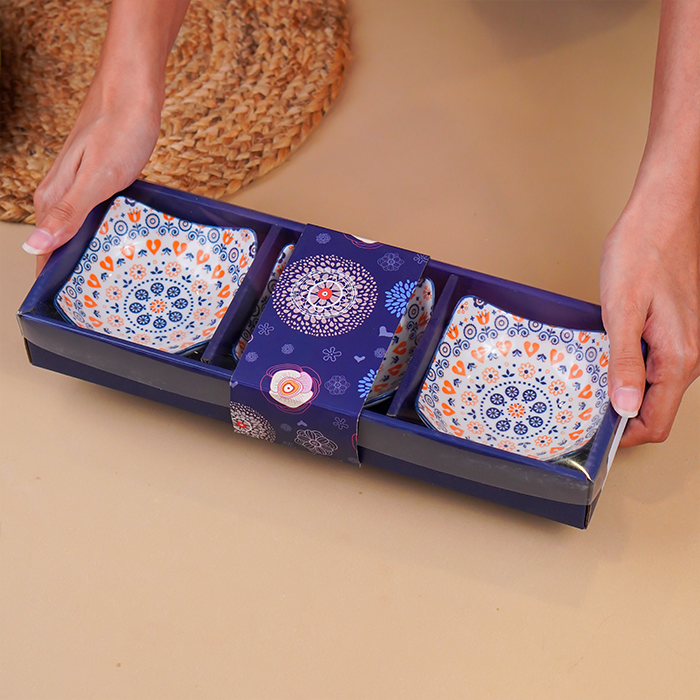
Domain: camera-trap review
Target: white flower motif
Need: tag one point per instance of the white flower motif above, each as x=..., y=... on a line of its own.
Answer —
x=315, y=441
x=291, y=388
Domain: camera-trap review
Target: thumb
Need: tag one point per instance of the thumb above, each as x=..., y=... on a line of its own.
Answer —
x=627, y=372
x=61, y=222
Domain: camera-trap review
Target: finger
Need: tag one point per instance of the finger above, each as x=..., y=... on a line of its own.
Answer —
x=657, y=414
x=65, y=217
x=60, y=175
x=626, y=372
x=54, y=186
x=672, y=365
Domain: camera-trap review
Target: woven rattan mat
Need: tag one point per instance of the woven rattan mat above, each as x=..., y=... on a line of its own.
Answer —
x=246, y=83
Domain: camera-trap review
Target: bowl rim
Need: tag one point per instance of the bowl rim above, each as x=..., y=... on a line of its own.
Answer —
x=387, y=394
x=123, y=198
x=444, y=338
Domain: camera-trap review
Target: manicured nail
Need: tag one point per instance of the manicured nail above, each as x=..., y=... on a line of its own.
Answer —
x=626, y=401
x=39, y=242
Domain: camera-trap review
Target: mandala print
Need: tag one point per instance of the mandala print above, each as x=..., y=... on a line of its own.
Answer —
x=398, y=296
x=390, y=262
x=316, y=442
x=247, y=421
x=337, y=385
x=516, y=384
x=158, y=303
x=152, y=279
x=325, y=295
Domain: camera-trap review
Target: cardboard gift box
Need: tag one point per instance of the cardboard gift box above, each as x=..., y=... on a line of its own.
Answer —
x=388, y=435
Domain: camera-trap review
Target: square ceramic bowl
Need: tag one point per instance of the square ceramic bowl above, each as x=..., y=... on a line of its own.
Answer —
x=156, y=280
x=514, y=384
x=275, y=275
x=404, y=342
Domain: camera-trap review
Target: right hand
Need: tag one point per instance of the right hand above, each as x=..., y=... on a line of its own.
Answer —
x=106, y=150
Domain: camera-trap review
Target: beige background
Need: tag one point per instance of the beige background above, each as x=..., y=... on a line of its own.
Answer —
x=150, y=553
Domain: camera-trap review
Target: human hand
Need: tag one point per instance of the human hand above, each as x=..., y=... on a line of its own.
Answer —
x=105, y=152
x=650, y=288
x=118, y=124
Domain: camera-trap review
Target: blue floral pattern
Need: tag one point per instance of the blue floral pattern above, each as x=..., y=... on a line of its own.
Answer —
x=337, y=384
x=329, y=310
x=156, y=280
x=398, y=296
x=365, y=384
x=390, y=262
x=517, y=385
x=331, y=354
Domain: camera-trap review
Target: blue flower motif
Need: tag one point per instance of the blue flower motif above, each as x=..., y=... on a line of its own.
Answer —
x=337, y=385
x=265, y=329
x=287, y=349
x=379, y=353
x=331, y=354
x=340, y=423
x=364, y=386
x=251, y=356
x=323, y=238
x=390, y=262
x=421, y=259
x=398, y=296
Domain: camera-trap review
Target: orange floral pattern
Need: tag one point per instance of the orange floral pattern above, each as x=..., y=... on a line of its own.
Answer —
x=138, y=272
x=557, y=387
x=490, y=375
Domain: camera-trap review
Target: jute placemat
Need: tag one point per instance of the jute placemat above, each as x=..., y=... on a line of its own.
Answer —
x=246, y=83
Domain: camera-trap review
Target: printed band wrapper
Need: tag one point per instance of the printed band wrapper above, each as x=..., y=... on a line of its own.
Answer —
x=316, y=349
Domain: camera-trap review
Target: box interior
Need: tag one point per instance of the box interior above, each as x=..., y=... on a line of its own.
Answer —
x=203, y=384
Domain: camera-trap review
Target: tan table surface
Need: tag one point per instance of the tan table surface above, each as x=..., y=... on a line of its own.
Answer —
x=150, y=553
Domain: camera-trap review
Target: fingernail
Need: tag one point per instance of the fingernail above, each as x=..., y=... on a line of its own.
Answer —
x=39, y=242
x=626, y=401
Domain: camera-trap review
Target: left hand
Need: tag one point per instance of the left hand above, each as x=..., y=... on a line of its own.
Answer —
x=650, y=288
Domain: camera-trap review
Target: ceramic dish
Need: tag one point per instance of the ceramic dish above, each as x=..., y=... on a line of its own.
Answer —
x=276, y=273
x=517, y=385
x=404, y=342
x=156, y=280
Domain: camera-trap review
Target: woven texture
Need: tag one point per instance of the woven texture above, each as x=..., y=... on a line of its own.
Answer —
x=246, y=82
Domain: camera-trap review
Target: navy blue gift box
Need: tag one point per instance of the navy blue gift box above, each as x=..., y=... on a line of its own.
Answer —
x=388, y=435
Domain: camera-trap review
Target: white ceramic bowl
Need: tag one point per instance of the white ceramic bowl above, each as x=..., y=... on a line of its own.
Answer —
x=516, y=385
x=404, y=342
x=275, y=275
x=156, y=280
